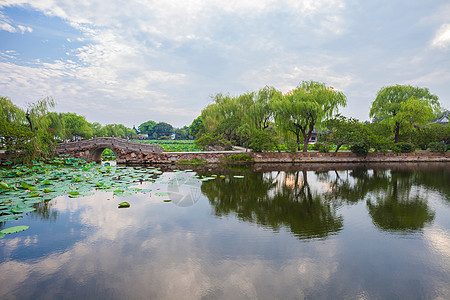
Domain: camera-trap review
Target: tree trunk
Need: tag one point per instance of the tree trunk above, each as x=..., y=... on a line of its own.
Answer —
x=298, y=141
x=305, y=144
x=410, y=134
x=397, y=131
x=337, y=147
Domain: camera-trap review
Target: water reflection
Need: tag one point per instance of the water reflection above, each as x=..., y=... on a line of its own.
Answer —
x=212, y=249
x=306, y=202
x=281, y=200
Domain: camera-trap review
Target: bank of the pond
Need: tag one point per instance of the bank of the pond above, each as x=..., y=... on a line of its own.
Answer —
x=275, y=157
x=217, y=157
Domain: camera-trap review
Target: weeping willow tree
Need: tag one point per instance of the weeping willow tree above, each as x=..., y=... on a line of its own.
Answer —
x=391, y=104
x=301, y=110
x=25, y=134
x=14, y=132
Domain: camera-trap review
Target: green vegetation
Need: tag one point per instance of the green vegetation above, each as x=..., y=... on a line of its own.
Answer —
x=264, y=121
x=175, y=145
x=305, y=108
x=404, y=105
x=23, y=188
x=108, y=155
x=268, y=120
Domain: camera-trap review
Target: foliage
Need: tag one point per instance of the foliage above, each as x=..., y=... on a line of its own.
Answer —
x=438, y=147
x=24, y=186
x=162, y=129
x=343, y=131
x=108, y=155
x=197, y=128
x=360, y=148
x=116, y=130
x=305, y=108
x=403, y=148
x=431, y=133
x=147, y=127
x=215, y=142
x=391, y=105
x=75, y=125
x=174, y=145
x=181, y=133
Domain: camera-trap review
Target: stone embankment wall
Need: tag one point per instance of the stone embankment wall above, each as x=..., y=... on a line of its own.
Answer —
x=311, y=157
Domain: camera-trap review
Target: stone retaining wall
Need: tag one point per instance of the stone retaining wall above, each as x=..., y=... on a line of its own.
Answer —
x=312, y=157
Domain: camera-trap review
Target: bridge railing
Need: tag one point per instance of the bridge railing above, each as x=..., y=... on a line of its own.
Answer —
x=108, y=141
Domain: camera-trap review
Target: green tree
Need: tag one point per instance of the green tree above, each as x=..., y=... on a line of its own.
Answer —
x=415, y=112
x=147, y=127
x=197, y=128
x=162, y=129
x=76, y=125
x=388, y=104
x=344, y=131
x=307, y=106
x=14, y=132
x=182, y=133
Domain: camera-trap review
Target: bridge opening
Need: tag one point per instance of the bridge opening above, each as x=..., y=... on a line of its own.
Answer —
x=108, y=157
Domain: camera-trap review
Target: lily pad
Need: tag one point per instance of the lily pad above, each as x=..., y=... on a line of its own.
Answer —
x=9, y=218
x=162, y=194
x=4, y=186
x=14, y=229
x=124, y=204
x=22, y=209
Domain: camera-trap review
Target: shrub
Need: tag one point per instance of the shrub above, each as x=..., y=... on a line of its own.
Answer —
x=324, y=148
x=360, y=149
x=438, y=147
x=213, y=141
x=317, y=146
x=403, y=148
x=381, y=144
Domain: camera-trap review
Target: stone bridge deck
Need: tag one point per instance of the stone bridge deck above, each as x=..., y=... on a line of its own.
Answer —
x=91, y=150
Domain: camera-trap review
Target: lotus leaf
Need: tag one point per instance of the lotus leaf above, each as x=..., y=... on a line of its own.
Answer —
x=9, y=218
x=124, y=204
x=14, y=229
x=162, y=194
x=22, y=209
x=4, y=186
x=26, y=186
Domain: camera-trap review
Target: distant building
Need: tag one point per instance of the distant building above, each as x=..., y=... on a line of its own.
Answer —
x=443, y=119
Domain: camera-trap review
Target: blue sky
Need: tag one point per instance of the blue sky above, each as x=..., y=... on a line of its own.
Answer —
x=137, y=60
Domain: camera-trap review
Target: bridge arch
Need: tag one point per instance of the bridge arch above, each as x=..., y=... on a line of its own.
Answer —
x=95, y=154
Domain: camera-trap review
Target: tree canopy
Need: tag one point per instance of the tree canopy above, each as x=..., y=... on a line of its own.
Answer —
x=388, y=104
x=307, y=106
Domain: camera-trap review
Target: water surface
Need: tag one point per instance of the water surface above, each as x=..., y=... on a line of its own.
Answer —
x=281, y=232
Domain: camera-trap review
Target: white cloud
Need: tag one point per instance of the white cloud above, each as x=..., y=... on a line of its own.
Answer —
x=442, y=37
x=7, y=25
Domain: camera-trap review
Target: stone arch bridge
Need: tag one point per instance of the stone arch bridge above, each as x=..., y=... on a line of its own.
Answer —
x=125, y=150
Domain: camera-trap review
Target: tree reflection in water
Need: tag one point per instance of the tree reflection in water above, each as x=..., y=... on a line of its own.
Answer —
x=282, y=200
x=395, y=198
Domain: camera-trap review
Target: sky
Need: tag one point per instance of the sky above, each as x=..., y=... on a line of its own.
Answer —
x=130, y=61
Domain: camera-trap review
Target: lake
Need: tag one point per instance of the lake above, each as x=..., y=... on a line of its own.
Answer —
x=265, y=232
